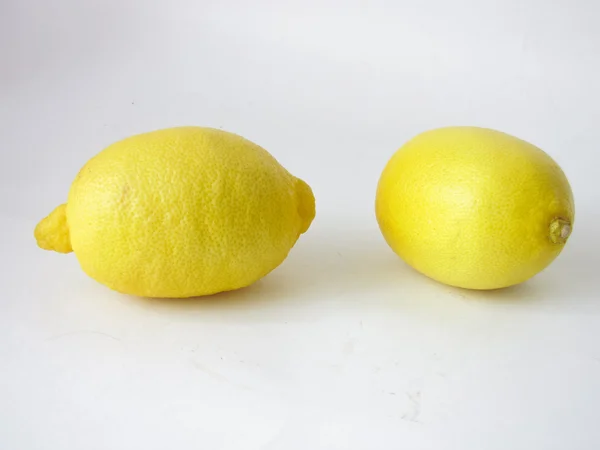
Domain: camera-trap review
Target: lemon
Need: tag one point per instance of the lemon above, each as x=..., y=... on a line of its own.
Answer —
x=474, y=208
x=180, y=212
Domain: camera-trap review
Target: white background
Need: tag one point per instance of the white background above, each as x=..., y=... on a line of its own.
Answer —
x=343, y=346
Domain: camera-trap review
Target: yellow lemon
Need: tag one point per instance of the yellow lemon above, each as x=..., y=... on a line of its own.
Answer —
x=474, y=208
x=180, y=212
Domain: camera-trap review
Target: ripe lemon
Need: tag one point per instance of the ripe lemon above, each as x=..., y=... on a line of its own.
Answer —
x=474, y=208
x=180, y=212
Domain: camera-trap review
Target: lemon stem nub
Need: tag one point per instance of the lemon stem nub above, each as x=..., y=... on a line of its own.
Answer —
x=560, y=230
x=306, y=204
x=52, y=233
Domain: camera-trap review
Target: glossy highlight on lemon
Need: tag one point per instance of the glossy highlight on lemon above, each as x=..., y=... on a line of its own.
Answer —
x=180, y=212
x=474, y=207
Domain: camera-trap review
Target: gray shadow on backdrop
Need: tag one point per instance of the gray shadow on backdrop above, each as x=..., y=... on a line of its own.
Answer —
x=350, y=265
x=325, y=264
x=572, y=279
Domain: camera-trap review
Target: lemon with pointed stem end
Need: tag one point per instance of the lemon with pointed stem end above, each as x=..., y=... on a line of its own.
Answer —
x=474, y=207
x=180, y=212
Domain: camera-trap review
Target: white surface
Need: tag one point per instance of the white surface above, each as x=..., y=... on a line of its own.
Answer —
x=342, y=347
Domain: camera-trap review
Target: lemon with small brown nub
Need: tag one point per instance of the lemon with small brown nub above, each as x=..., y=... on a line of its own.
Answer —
x=180, y=212
x=474, y=208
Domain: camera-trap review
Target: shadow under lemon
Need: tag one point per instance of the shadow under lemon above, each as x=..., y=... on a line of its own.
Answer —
x=325, y=265
x=331, y=266
x=572, y=279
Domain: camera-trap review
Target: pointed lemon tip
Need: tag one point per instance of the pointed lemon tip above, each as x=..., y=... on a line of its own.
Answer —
x=560, y=230
x=306, y=204
x=52, y=233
